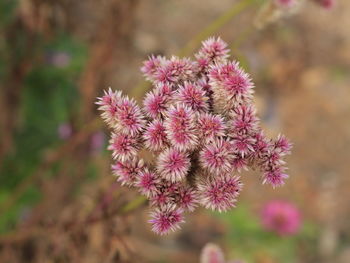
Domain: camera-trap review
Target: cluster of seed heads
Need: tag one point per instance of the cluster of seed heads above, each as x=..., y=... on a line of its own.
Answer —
x=200, y=125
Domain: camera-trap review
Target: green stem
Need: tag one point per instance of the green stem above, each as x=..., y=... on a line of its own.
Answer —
x=132, y=205
x=215, y=26
x=196, y=40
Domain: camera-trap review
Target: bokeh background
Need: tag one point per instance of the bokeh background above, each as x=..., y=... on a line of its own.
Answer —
x=58, y=199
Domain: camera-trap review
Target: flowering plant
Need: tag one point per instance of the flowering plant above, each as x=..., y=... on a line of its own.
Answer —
x=200, y=125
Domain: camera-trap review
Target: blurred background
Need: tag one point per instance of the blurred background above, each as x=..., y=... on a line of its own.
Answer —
x=58, y=199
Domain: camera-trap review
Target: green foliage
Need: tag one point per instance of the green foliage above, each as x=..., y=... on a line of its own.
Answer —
x=247, y=239
x=49, y=97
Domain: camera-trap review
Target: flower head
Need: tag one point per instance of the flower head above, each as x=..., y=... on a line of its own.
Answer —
x=147, y=182
x=173, y=164
x=127, y=172
x=151, y=66
x=176, y=71
x=213, y=50
x=155, y=136
x=180, y=127
x=166, y=219
x=216, y=157
x=193, y=97
x=124, y=146
x=231, y=86
x=219, y=193
x=210, y=126
x=281, y=217
x=157, y=101
x=187, y=198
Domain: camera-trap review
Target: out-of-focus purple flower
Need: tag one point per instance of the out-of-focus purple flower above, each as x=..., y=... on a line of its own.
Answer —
x=166, y=219
x=59, y=59
x=200, y=128
x=97, y=142
x=281, y=217
x=64, y=131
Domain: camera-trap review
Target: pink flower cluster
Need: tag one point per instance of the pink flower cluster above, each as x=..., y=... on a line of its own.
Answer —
x=200, y=125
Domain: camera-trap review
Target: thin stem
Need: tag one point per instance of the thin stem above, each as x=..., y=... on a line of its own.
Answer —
x=197, y=39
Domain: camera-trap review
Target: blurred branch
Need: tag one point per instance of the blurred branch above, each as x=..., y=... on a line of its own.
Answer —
x=18, y=236
x=52, y=158
x=215, y=26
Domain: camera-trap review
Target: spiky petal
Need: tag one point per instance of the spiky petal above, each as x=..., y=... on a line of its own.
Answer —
x=212, y=51
x=151, y=67
x=124, y=146
x=147, y=182
x=187, y=198
x=173, y=164
x=180, y=127
x=220, y=192
x=128, y=171
x=155, y=136
x=166, y=219
x=217, y=157
x=157, y=101
x=230, y=85
x=193, y=96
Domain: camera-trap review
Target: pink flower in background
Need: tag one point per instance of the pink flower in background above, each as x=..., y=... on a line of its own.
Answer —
x=285, y=3
x=64, y=131
x=327, y=4
x=212, y=253
x=281, y=217
x=59, y=59
x=200, y=129
x=97, y=143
